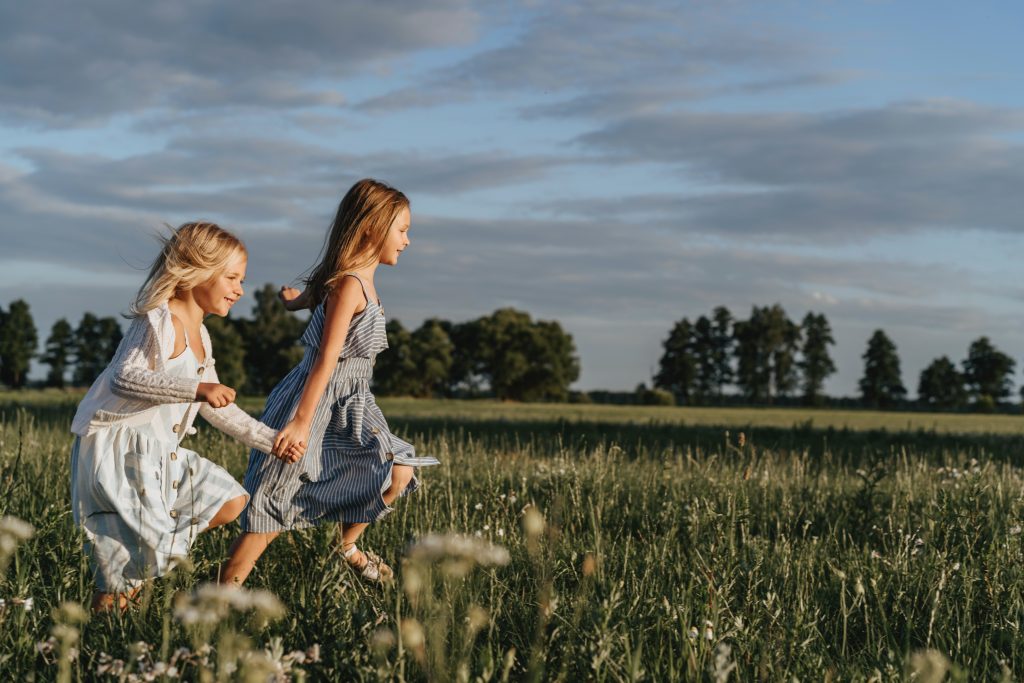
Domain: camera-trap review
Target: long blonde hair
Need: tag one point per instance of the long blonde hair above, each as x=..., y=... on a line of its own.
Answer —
x=194, y=253
x=357, y=235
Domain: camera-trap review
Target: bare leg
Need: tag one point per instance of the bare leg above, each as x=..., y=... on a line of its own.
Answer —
x=228, y=512
x=245, y=551
x=107, y=602
x=347, y=534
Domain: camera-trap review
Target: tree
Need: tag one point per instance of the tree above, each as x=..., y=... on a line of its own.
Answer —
x=786, y=337
x=96, y=341
x=722, y=343
x=941, y=386
x=881, y=385
x=815, y=362
x=272, y=341
x=678, y=367
x=394, y=369
x=60, y=347
x=228, y=349
x=525, y=360
x=18, y=340
x=766, y=348
x=468, y=370
x=987, y=372
x=702, y=348
x=432, y=358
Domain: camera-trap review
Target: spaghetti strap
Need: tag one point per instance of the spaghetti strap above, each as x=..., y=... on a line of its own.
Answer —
x=361, y=284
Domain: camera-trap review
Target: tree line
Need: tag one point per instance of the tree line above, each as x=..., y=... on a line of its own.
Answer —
x=506, y=354
x=770, y=358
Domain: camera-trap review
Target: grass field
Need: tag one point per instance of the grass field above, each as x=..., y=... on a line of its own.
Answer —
x=642, y=544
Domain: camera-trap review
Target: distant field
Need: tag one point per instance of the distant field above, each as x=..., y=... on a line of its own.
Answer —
x=782, y=418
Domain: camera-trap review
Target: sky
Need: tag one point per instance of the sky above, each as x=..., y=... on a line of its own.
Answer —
x=613, y=166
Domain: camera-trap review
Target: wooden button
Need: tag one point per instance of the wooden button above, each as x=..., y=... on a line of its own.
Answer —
x=143, y=491
x=201, y=368
x=390, y=456
x=174, y=484
x=174, y=456
x=174, y=514
x=374, y=430
x=175, y=428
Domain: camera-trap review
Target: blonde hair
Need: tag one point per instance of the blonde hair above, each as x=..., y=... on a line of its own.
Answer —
x=194, y=253
x=357, y=235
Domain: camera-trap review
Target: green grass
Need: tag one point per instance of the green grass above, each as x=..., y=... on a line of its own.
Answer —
x=830, y=543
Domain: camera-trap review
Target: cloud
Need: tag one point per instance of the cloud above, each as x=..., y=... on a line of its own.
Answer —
x=69, y=63
x=831, y=175
x=597, y=57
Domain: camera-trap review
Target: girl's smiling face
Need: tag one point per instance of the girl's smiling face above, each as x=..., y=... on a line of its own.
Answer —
x=397, y=239
x=218, y=294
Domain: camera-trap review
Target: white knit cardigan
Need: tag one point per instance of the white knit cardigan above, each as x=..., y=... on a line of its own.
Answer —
x=135, y=382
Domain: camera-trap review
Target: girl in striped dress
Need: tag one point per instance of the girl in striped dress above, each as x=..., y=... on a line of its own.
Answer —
x=355, y=467
x=139, y=496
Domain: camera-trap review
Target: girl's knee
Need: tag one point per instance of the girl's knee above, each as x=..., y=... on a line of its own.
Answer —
x=229, y=512
x=401, y=475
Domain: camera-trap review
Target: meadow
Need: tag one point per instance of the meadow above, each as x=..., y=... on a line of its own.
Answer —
x=572, y=543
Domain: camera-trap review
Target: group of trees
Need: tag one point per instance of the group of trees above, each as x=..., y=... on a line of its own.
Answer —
x=765, y=356
x=769, y=357
x=505, y=354
x=84, y=350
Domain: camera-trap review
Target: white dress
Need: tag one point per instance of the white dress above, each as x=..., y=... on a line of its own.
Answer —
x=139, y=496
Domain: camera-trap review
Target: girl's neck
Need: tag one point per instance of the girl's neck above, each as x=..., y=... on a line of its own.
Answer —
x=184, y=306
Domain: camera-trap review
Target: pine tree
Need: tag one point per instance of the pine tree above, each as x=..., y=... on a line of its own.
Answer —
x=816, y=363
x=60, y=348
x=941, y=386
x=678, y=367
x=18, y=340
x=722, y=342
x=881, y=386
x=987, y=372
x=95, y=342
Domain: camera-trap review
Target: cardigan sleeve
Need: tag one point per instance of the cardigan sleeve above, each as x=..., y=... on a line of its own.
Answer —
x=133, y=376
x=237, y=423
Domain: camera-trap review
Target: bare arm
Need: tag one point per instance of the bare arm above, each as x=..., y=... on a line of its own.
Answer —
x=340, y=307
x=293, y=299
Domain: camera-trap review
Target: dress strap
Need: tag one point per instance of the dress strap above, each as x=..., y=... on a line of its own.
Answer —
x=361, y=284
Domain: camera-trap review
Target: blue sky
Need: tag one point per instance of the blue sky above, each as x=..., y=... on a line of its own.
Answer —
x=615, y=167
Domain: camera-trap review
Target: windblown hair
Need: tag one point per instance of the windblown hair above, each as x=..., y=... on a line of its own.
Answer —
x=194, y=253
x=357, y=235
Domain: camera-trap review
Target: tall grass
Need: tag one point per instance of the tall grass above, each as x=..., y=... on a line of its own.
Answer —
x=635, y=552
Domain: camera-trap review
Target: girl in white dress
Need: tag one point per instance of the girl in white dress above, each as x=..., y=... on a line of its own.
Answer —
x=140, y=497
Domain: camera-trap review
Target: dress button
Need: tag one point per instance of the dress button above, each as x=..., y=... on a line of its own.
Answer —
x=143, y=491
x=201, y=368
x=304, y=477
x=175, y=428
x=174, y=514
x=174, y=456
x=389, y=456
x=374, y=430
x=174, y=484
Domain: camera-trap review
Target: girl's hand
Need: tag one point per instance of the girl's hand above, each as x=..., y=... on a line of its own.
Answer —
x=217, y=395
x=290, y=443
x=291, y=298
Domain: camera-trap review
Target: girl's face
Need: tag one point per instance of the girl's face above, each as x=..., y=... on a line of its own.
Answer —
x=397, y=239
x=220, y=293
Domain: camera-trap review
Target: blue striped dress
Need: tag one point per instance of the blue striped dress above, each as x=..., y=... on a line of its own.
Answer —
x=351, y=450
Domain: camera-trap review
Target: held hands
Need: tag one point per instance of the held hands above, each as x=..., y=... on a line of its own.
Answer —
x=217, y=395
x=290, y=443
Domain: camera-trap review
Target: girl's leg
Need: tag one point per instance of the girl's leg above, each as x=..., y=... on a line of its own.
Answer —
x=246, y=549
x=347, y=534
x=105, y=602
x=228, y=512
